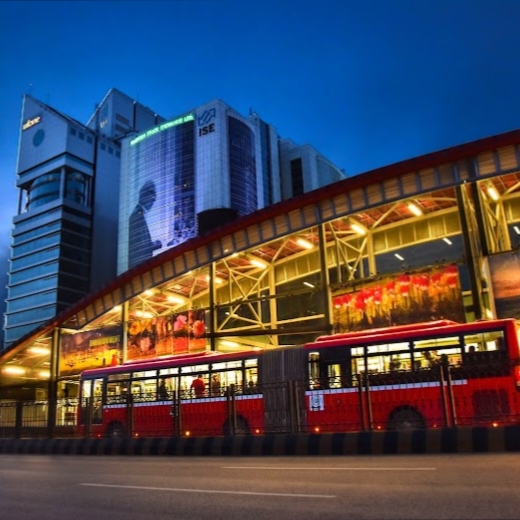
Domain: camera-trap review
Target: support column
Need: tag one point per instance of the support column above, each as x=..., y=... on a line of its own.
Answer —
x=324, y=277
x=212, y=308
x=470, y=252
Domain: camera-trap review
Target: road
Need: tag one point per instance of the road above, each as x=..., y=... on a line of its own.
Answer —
x=463, y=486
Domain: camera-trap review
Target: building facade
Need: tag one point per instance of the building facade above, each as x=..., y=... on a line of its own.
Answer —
x=173, y=180
x=64, y=235
x=433, y=237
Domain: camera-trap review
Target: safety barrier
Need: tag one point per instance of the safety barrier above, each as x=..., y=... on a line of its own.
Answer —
x=446, y=440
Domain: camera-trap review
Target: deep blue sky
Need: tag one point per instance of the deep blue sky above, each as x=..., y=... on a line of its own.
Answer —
x=368, y=83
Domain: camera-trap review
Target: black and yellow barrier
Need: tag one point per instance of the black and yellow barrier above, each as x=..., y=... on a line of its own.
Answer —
x=448, y=440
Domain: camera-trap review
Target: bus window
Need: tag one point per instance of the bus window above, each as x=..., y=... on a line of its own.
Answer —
x=334, y=375
x=251, y=376
x=314, y=370
x=117, y=391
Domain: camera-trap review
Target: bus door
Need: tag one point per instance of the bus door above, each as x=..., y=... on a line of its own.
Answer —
x=91, y=401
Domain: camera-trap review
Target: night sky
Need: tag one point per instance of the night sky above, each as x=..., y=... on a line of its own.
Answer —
x=366, y=83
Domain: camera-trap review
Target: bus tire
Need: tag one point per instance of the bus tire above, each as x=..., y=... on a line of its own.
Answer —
x=406, y=418
x=241, y=429
x=115, y=430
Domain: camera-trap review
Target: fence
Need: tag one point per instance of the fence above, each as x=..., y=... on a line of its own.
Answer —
x=437, y=398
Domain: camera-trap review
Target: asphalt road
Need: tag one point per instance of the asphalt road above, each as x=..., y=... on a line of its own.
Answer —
x=471, y=486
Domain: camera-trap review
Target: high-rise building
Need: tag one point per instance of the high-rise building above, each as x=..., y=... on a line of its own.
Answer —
x=173, y=179
x=202, y=169
x=64, y=235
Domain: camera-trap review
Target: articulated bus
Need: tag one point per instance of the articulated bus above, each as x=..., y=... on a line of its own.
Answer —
x=435, y=374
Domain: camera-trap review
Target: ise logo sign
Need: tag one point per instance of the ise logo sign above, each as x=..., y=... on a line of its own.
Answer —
x=204, y=121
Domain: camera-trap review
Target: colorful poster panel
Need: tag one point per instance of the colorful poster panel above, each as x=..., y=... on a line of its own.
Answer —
x=425, y=295
x=181, y=333
x=90, y=349
x=505, y=279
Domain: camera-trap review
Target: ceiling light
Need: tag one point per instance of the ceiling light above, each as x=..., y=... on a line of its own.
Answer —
x=308, y=284
x=304, y=243
x=217, y=279
x=148, y=292
x=41, y=351
x=117, y=308
x=398, y=256
x=357, y=227
x=143, y=314
x=448, y=241
x=517, y=230
x=227, y=343
x=175, y=298
x=14, y=371
x=492, y=192
x=258, y=263
x=44, y=374
x=416, y=210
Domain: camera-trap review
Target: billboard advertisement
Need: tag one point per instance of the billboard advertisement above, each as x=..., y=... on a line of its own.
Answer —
x=157, y=209
x=420, y=296
x=90, y=349
x=505, y=280
x=180, y=333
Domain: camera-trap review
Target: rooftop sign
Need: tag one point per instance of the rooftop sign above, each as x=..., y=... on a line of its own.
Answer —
x=160, y=128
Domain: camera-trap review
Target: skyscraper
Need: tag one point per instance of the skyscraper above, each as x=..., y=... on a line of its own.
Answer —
x=64, y=235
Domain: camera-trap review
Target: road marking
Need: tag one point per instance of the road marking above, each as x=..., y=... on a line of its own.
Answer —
x=289, y=495
x=288, y=468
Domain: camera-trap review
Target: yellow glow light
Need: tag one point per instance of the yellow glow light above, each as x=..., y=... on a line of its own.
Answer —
x=14, y=371
x=492, y=192
x=304, y=243
x=416, y=210
x=40, y=351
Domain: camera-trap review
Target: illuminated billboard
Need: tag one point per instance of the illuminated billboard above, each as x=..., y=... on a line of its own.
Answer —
x=90, y=349
x=157, y=209
x=180, y=333
x=416, y=297
x=505, y=279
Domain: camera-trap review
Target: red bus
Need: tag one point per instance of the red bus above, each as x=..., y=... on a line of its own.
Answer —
x=435, y=374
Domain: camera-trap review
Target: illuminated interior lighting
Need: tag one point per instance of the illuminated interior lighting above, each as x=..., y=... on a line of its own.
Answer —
x=227, y=343
x=117, y=308
x=358, y=228
x=492, y=192
x=304, y=243
x=148, y=292
x=399, y=257
x=517, y=230
x=258, y=263
x=448, y=241
x=416, y=210
x=41, y=351
x=143, y=314
x=308, y=284
x=217, y=279
x=14, y=371
x=174, y=298
x=44, y=374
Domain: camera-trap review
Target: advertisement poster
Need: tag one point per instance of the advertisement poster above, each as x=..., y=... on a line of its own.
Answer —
x=505, y=279
x=167, y=335
x=90, y=349
x=425, y=295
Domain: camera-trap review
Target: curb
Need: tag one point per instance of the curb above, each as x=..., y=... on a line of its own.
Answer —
x=446, y=440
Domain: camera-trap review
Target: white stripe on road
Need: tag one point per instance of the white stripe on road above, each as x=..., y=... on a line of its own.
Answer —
x=290, y=495
x=288, y=468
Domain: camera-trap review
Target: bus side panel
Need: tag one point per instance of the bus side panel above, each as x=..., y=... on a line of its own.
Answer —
x=333, y=410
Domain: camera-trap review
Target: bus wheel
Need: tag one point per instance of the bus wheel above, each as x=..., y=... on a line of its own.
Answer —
x=115, y=430
x=241, y=429
x=406, y=419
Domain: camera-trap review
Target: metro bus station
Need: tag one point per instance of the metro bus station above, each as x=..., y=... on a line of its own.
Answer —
x=422, y=253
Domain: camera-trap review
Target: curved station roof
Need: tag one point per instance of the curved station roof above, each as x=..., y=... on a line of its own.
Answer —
x=289, y=235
